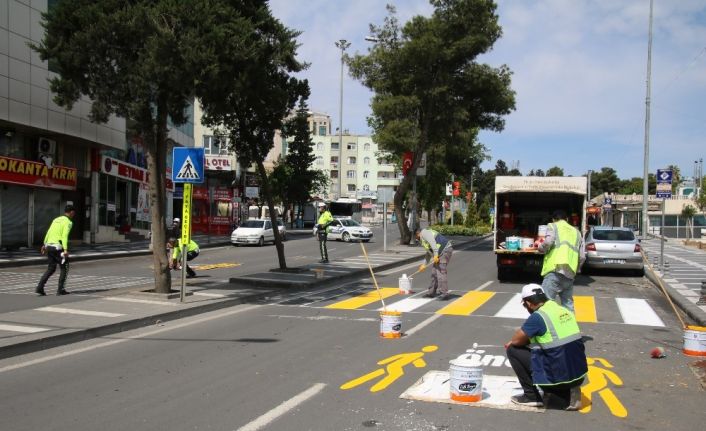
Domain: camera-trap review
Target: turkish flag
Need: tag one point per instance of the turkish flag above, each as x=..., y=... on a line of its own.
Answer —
x=407, y=161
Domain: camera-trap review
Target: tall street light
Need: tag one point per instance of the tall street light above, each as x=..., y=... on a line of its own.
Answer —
x=342, y=45
x=645, y=175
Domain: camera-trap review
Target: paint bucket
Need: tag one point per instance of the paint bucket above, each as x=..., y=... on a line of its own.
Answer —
x=542, y=230
x=405, y=284
x=466, y=381
x=695, y=341
x=318, y=273
x=390, y=324
x=526, y=242
x=512, y=243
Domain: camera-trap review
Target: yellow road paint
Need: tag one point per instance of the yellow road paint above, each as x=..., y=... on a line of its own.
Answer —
x=467, y=304
x=585, y=308
x=365, y=299
x=216, y=266
x=598, y=379
x=394, y=368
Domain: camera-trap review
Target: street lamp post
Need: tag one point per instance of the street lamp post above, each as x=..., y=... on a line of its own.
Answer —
x=342, y=45
x=645, y=218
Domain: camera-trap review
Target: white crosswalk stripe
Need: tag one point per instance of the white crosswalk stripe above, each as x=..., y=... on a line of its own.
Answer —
x=25, y=283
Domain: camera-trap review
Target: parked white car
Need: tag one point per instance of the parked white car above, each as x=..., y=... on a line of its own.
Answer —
x=257, y=231
x=347, y=229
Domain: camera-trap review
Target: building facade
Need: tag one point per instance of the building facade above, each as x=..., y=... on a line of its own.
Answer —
x=51, y=156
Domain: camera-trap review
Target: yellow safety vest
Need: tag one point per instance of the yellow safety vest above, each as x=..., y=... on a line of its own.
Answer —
x=565, y=250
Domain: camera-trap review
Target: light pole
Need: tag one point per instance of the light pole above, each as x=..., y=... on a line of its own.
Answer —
x=645, y=197
x=342, y=44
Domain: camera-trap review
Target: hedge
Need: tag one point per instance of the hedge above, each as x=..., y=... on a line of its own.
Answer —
x=461, y=230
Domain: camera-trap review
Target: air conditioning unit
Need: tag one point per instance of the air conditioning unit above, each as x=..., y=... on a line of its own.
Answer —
x=47, y=146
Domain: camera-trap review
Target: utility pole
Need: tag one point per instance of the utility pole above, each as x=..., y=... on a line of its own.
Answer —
x=342, y=45
x=645, y=219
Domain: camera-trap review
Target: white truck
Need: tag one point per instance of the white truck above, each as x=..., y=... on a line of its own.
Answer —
x=522, y=206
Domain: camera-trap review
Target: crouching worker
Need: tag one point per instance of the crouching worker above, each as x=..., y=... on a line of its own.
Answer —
x=192, y=251
x=547, y=352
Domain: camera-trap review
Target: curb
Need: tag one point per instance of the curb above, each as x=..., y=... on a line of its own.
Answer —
x=57, y=340
x=690, y=309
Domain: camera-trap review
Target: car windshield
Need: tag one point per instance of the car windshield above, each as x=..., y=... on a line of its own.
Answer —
x=613, y=235
x=349, y=223
x=252, y=223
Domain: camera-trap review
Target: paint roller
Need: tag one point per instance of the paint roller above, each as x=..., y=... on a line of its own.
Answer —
x=365, y=253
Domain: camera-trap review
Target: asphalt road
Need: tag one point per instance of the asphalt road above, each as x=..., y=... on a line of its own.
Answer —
x=280, y=364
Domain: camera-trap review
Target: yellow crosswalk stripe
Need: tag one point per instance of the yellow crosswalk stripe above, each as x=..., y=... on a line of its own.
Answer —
x=585, y=308
x=467, y=304
x=365, y=299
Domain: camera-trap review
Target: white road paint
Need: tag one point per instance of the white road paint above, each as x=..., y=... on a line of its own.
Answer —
x=399, y=269
x=637, y=311
x=513, y=308
x=168, y=328
x=349, y=319
x=78, y=312
x=210, y=295
x=140, y=301
x=408, y=304
x=283, y=408
x=23, y=329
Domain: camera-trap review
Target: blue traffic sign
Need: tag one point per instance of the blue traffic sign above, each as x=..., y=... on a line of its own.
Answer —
x=188, y=165
x=664, y=176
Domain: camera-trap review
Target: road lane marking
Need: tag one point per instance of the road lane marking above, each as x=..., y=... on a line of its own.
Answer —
x=282, y=409
x=364, y=299
x=125, y=339
x=467, y=304
x=585, y=309
x=24, y=329
x=399, y=269
x=408, y=304
x=79, y=312
x=638, y=312
x=513, y=308
x=140, y=301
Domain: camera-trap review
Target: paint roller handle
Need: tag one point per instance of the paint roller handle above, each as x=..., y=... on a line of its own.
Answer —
x=422, y=267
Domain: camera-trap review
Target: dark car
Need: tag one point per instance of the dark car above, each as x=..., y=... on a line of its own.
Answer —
x=614, y=248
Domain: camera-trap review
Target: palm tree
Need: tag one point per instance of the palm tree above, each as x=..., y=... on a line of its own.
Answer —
x=688, y=212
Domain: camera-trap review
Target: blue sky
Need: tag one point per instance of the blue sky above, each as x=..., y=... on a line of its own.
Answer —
x=579, y=71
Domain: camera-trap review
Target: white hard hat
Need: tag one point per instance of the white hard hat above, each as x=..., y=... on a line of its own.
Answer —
x=176, y=219
x=322, y=205
x=531, y=290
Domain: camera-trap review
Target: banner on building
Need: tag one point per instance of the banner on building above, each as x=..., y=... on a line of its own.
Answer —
x=143, y=203
x=37, y=174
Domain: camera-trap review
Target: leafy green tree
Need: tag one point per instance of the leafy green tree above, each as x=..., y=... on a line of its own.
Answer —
x=676, y=177
x=484, y=211
x=501, y=168
x=139, y=60
x=539, y=173
x=606, y=180
x=634, y=185
x=531, y=173
x=555, y=171
x=472, y=216
x=688, y=212
x=429, y=89
x=249, y=109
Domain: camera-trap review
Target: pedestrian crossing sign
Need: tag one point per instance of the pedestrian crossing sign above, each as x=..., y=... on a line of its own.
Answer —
x=188, y=165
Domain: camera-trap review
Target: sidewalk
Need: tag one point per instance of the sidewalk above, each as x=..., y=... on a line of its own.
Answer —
x=56, y=324
x=683, y=275
x=83, y=252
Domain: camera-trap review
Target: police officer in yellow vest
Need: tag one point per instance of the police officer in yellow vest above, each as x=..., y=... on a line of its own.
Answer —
x=56, y=247
x=563, y=256
x=322, y=229
x=547, y=352
x=439, y=250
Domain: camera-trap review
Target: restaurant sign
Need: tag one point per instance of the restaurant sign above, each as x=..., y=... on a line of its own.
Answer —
x=37, y=174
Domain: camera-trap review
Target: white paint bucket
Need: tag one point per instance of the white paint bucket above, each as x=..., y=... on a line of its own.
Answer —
x=466, y=381
x=695, y=341
x=390, y=324
x=405, y=284
x=542, y=230
x=526, y=242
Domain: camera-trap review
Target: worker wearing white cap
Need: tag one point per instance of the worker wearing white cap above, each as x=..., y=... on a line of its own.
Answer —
x=547, y=351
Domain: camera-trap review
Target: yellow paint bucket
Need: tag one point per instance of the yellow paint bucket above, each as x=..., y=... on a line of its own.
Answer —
x=466, y=381
x=390, y=324
x=695, y=341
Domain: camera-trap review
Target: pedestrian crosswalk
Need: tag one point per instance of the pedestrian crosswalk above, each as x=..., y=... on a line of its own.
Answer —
x=588, y=308
x=25, y=283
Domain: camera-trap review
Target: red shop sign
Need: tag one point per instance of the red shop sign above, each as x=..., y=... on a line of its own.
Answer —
x=37, y=174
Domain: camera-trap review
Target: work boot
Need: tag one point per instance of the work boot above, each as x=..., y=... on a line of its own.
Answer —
x=40, y=292
x=526, y=400
x=62, y=292
x=574, y=399
x=428, y=295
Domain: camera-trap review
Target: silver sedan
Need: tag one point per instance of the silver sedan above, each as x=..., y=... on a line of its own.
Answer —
x=614, y=248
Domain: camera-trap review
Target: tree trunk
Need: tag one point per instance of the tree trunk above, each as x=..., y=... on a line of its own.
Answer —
x=405, y=233
x=273, y=214
x=156, y=167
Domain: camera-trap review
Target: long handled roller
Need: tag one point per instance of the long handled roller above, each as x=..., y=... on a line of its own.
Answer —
x=365, y=253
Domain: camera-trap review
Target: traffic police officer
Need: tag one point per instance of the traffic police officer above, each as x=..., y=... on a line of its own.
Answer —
x=322, y=226
x=192, y=252
x=56, y=247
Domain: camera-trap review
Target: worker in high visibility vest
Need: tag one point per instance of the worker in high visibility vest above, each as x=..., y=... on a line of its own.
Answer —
x=439, y=250
x=192, y=252
x=563, y=256
x=547, y=352
x=322, y=230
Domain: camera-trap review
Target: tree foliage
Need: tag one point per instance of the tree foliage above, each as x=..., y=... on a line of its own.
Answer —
x=429, y=89
x=555, y=171
x=139, y=60
x=604, y=181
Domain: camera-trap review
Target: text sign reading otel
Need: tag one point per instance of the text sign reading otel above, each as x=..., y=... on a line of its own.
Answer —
x=664, y=183
x=188, y=166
